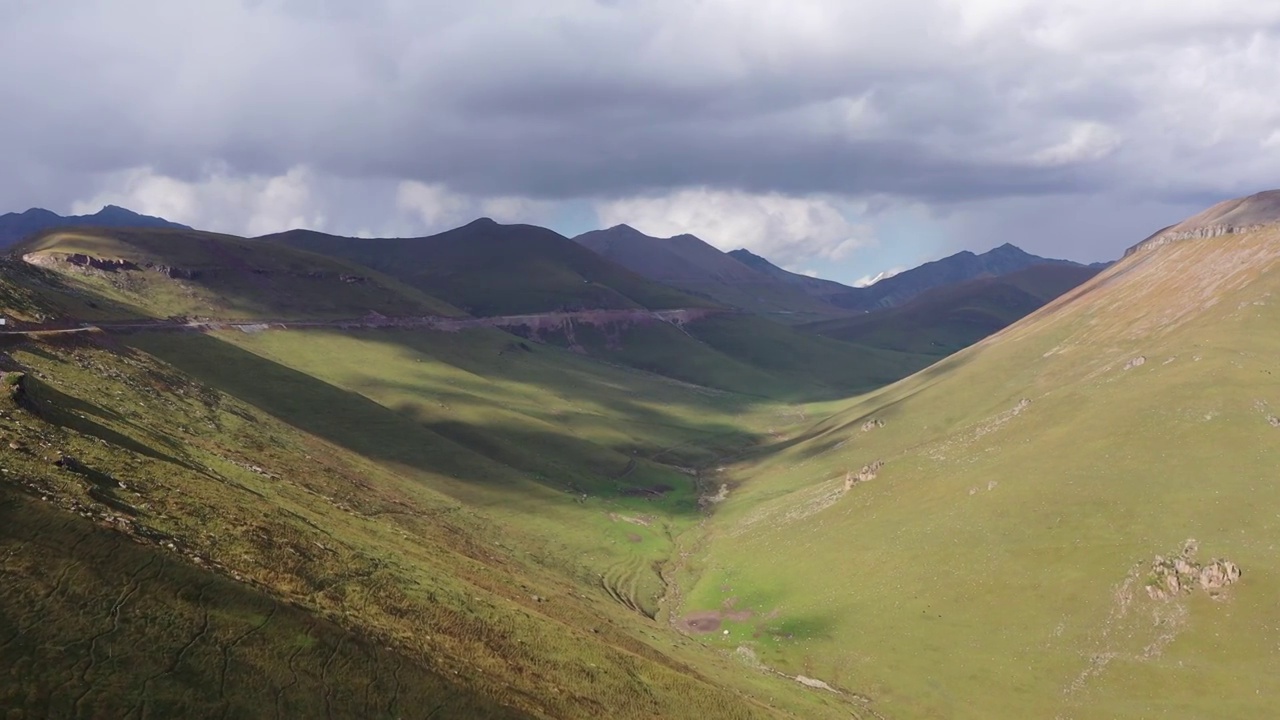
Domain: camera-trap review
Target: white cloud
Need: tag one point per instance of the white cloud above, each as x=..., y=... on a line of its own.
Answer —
x=1085, y=142
x=783, y=229
x=433, y=205
x=252, y=205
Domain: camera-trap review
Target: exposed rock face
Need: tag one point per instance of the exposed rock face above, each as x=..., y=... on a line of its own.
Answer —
x=1240, y=215
x=1136, y=362
x=1181, y=575
x=866, y=474
x=870, y=425
x=1219, y=574
x=175, y=273
x=100, y=263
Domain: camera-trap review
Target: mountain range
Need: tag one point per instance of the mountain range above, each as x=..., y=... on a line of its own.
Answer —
x=257, y=477
x=15, y=226
x=487, y=268
x=744, y=279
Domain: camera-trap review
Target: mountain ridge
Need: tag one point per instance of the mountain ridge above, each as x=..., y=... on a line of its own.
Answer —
x=17, y=226
x=1240, y=214
x=490, y=268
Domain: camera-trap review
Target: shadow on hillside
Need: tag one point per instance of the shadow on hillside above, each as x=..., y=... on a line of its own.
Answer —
x=59, y=408
x=259, y=655
x=493, y=455
x=883, y=403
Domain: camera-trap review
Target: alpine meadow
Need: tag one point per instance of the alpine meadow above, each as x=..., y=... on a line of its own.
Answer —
x=617, y=360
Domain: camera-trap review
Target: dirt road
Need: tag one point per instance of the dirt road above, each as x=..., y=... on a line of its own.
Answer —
x=535, y=321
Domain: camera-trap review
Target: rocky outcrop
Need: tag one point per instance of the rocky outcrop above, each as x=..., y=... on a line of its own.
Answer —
x=1181, y=575
x=870, y=425
x=1136, y=362
x=175, y=273
x=1230, y=217
x=866, y=474
x=82, y=260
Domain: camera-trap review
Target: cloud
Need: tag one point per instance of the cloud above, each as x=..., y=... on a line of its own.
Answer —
x=251, y=205
x=966, y=106
x=434, y=205
x=1085, y=142
x=784, y=229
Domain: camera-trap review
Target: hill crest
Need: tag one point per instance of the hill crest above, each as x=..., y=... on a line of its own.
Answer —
x=1241, y=214
x=490, y=268
x=15, y=226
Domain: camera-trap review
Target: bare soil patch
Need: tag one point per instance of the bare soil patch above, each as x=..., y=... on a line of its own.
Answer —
x=708, y=621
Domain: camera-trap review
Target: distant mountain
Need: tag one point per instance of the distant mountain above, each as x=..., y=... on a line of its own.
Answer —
x=748, y=281
x=488, y=268
x=898, y=289
x=683, y=258
x=949, y=318
x=15, y=227
x=816, y=287
x=692, y=265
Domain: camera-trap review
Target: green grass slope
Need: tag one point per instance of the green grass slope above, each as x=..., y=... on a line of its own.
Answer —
x=491, y=269
x=951, y=318
x=162, y=272
x=1001, y=562
x=94, y=625
x=739, y=353
x=488, y=521
x=419, y=562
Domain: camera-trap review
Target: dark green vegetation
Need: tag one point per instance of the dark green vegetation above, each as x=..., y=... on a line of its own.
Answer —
x=950, y=318
x=492, y=269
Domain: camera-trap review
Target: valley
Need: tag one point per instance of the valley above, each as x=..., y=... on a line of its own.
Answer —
x=366, y=497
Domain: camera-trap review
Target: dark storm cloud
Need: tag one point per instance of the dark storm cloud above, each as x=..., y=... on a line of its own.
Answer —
x=948, y=103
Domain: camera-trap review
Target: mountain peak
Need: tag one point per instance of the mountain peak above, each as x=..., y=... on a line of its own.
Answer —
x=15, y=227
x=1008, y=250
x=115, y=211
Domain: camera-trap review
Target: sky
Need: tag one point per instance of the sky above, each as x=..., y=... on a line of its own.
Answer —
x=842, y=138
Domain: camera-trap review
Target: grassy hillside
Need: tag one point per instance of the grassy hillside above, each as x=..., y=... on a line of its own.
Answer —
x=162, y=272
x=488, y=520
x=950, y=318
x=95, y=625
x=740, y=353
x=1012, y=555
x=492, y=269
